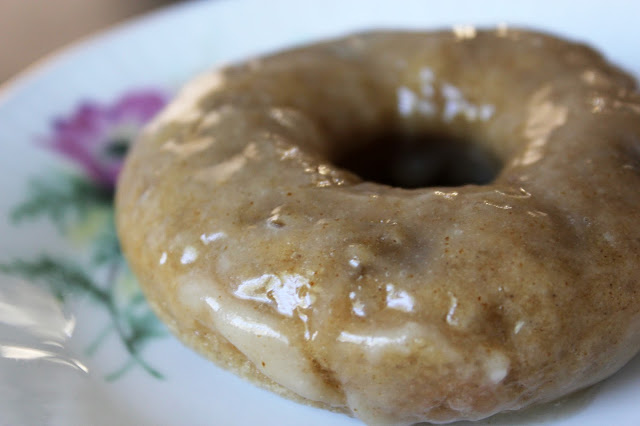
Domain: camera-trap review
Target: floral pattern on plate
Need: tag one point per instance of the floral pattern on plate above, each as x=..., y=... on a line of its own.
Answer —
x=94, y=139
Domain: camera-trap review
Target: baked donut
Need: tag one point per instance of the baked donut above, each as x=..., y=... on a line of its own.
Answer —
x=287, y=219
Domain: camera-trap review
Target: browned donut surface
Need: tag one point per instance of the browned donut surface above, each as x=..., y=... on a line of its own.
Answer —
x=401, y=226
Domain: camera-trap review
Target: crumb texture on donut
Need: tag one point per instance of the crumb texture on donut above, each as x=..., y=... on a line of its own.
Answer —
x=396, y=305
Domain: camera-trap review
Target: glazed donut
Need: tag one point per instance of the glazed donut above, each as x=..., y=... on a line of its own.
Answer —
x=400, y=226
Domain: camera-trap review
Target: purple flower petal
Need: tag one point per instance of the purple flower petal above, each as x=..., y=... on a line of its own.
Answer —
x=94, y=135
x=141, y=106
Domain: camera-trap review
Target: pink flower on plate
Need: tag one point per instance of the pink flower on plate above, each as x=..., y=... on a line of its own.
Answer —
x=96, y=137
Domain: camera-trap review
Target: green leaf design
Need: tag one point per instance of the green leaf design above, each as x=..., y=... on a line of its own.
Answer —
x=63, y=199
x=63, y=278
x=143, y=325
x=107, y=246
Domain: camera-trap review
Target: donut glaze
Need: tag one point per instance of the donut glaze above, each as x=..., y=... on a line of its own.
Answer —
x=397, y=305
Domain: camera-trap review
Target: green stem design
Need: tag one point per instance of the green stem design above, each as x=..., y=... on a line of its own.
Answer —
x=65, y=279
x=111, y=377
x=95, y=344
x=130, y=344
x=130, y=341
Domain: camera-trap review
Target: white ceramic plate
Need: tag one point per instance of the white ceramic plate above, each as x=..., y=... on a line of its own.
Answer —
x=77, y=344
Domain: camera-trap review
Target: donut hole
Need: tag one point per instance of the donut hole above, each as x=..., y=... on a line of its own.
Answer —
x=420, y=161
